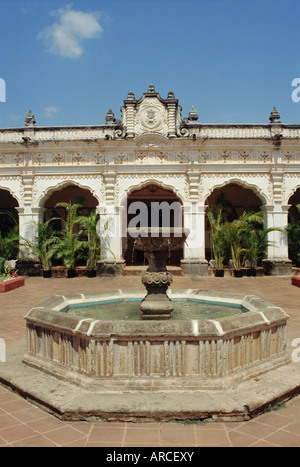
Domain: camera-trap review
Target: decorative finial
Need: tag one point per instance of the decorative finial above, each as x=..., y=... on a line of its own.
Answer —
x=30, y=120
x=193, y=115
x=274, y=117
x=131, y=96
x=171, y=95
x=151, y=88
x=110, y=117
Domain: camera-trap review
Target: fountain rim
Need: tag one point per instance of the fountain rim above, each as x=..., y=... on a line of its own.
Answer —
x=259, y=314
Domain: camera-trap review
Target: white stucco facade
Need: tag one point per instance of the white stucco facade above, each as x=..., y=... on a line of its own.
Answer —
x=153, y=144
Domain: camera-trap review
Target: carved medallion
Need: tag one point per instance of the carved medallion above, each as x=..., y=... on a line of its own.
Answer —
x=151, y=117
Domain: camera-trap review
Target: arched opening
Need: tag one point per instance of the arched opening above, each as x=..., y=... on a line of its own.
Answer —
x=68, y=194
x=161, y=207
x=235, y=199
x=294, y=228
x=9, y=225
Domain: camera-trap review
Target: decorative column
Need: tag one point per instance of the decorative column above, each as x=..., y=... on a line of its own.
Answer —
x=277, y=262
x=172, y=104
x=194, y=262
x=111, y=262
x=276, y=216
x=130, y=104
x=29, y=217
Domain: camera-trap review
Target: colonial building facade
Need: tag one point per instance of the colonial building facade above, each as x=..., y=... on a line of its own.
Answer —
x=153, y=154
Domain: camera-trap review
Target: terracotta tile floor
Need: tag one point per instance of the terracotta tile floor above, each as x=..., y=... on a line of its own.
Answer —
x=22, y=424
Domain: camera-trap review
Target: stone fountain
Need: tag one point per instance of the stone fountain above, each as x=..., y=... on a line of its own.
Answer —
x=222, y=367
x=157, y=244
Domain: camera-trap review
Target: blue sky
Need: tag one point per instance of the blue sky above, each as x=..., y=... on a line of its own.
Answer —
x=70, y=61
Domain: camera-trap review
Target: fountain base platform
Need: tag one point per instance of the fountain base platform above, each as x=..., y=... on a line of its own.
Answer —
x=70, y=402
x=140, y=355
x=222, y=369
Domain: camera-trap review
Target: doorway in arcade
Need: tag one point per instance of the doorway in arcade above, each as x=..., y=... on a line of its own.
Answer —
x=151, y=196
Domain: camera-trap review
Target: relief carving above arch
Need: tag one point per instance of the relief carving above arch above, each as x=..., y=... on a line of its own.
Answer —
x=44, y=186
x=258, y=184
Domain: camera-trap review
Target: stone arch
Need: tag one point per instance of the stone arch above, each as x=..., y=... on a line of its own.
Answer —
x=9, y=216
x=15, y=195
x=293, y=219
x=9, y=223
x=235, y=197
x=241, y=183
x=149, y=181
x=292, y=194
x=148, y=192
x=66, y=192
x=60, y=185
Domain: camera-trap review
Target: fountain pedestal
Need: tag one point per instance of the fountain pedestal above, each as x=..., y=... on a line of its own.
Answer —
x=157, y=245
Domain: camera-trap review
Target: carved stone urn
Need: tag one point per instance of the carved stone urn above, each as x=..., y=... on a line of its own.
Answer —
x=157, y=244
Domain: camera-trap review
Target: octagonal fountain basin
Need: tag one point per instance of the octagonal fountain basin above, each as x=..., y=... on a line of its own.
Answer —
x=97, y=340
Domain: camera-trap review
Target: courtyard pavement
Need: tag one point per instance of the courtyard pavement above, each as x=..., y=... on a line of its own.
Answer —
x=24, y=425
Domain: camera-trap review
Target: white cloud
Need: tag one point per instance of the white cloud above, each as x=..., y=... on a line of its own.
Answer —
x=65, y=36
x=51, y=110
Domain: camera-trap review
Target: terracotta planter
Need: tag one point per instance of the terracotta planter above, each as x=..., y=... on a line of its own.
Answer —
x=296, y=281
x=12, y=284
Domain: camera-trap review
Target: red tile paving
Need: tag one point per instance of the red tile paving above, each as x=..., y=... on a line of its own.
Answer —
x=24, y=425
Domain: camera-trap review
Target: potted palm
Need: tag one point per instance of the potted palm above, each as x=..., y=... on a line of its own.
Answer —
x=256, y=243
x=238, y=232
x=9, y=243
x=44, y=245
x=235, y=233
x=93, y=241
x=9, y=235
x=251, y=252
x=215, y=218
x=233, y=237
x=98, y=232
x=69, y=245
x=293, y=231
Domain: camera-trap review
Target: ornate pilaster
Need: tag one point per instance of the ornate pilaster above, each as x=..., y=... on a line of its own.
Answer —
x=112, y=262
x=194, y=262
x=129, y=110
x=172, y=104
x=277, y=262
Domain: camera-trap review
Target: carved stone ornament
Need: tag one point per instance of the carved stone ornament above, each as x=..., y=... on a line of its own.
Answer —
x=151, y=117
x=157, y=278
